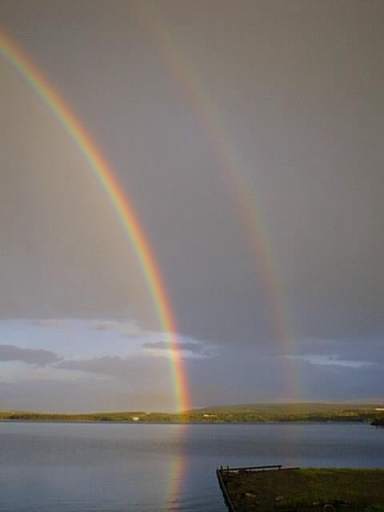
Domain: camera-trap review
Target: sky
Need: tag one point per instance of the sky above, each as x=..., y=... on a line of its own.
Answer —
x=248, y=137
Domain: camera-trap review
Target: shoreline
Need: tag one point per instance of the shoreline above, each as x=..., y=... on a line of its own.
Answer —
x=252, y=414
x=218, y=423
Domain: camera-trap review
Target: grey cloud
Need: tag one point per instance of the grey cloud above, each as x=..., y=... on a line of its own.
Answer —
x=106, y=325
x=366, y=351
x=248, y=376
x=190, y=346
x=51, y=323
x=107, y=365
x=330, y=360
x=38, y=357
x=123, y=326
x=235, y=376
x=326, y=382
x=126, y=368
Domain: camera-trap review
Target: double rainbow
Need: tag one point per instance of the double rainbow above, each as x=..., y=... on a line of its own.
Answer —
x=119, y=199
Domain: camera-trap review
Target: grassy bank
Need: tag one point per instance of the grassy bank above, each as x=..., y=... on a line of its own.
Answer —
x=258, y=413
x=305, y=490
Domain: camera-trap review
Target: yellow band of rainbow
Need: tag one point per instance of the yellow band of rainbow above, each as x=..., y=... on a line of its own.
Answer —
x=10, y=50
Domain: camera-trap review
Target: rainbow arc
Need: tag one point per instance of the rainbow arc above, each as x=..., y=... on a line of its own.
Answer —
x=122, y=205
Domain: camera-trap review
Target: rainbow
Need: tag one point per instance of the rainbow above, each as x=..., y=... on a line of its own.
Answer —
x=208, y=115
x=122, y=205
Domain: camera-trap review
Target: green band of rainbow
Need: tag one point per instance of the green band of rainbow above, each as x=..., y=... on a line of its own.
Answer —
x=122, y=205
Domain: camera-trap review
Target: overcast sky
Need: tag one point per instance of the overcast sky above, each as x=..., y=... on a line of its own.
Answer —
x=248, y=135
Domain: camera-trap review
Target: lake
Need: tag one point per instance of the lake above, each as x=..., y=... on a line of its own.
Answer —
x=151, y=468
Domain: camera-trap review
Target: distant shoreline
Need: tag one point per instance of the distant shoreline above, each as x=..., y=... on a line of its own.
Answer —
x=218, y=423
x=243, y=414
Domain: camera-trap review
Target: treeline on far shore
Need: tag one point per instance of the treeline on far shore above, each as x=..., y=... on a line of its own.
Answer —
x=257, y=413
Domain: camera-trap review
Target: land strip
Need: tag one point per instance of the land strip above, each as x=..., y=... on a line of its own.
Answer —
x=255, y=413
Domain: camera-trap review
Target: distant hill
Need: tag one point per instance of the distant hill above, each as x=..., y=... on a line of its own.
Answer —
x=303, y=411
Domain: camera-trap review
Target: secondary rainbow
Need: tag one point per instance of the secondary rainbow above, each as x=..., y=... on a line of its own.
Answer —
x=11, y=51
x=224, y=150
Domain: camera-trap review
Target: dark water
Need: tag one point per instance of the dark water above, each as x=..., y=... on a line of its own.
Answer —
x=142, y=468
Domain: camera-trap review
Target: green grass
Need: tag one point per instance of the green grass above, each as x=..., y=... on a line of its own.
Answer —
x=305, y=490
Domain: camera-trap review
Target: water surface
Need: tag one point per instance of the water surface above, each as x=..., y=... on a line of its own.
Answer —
x=151, y=468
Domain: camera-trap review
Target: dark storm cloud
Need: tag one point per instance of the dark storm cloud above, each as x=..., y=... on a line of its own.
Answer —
x=38, y=357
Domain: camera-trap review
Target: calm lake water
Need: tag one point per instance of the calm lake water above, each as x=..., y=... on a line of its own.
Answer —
x=152, y=468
